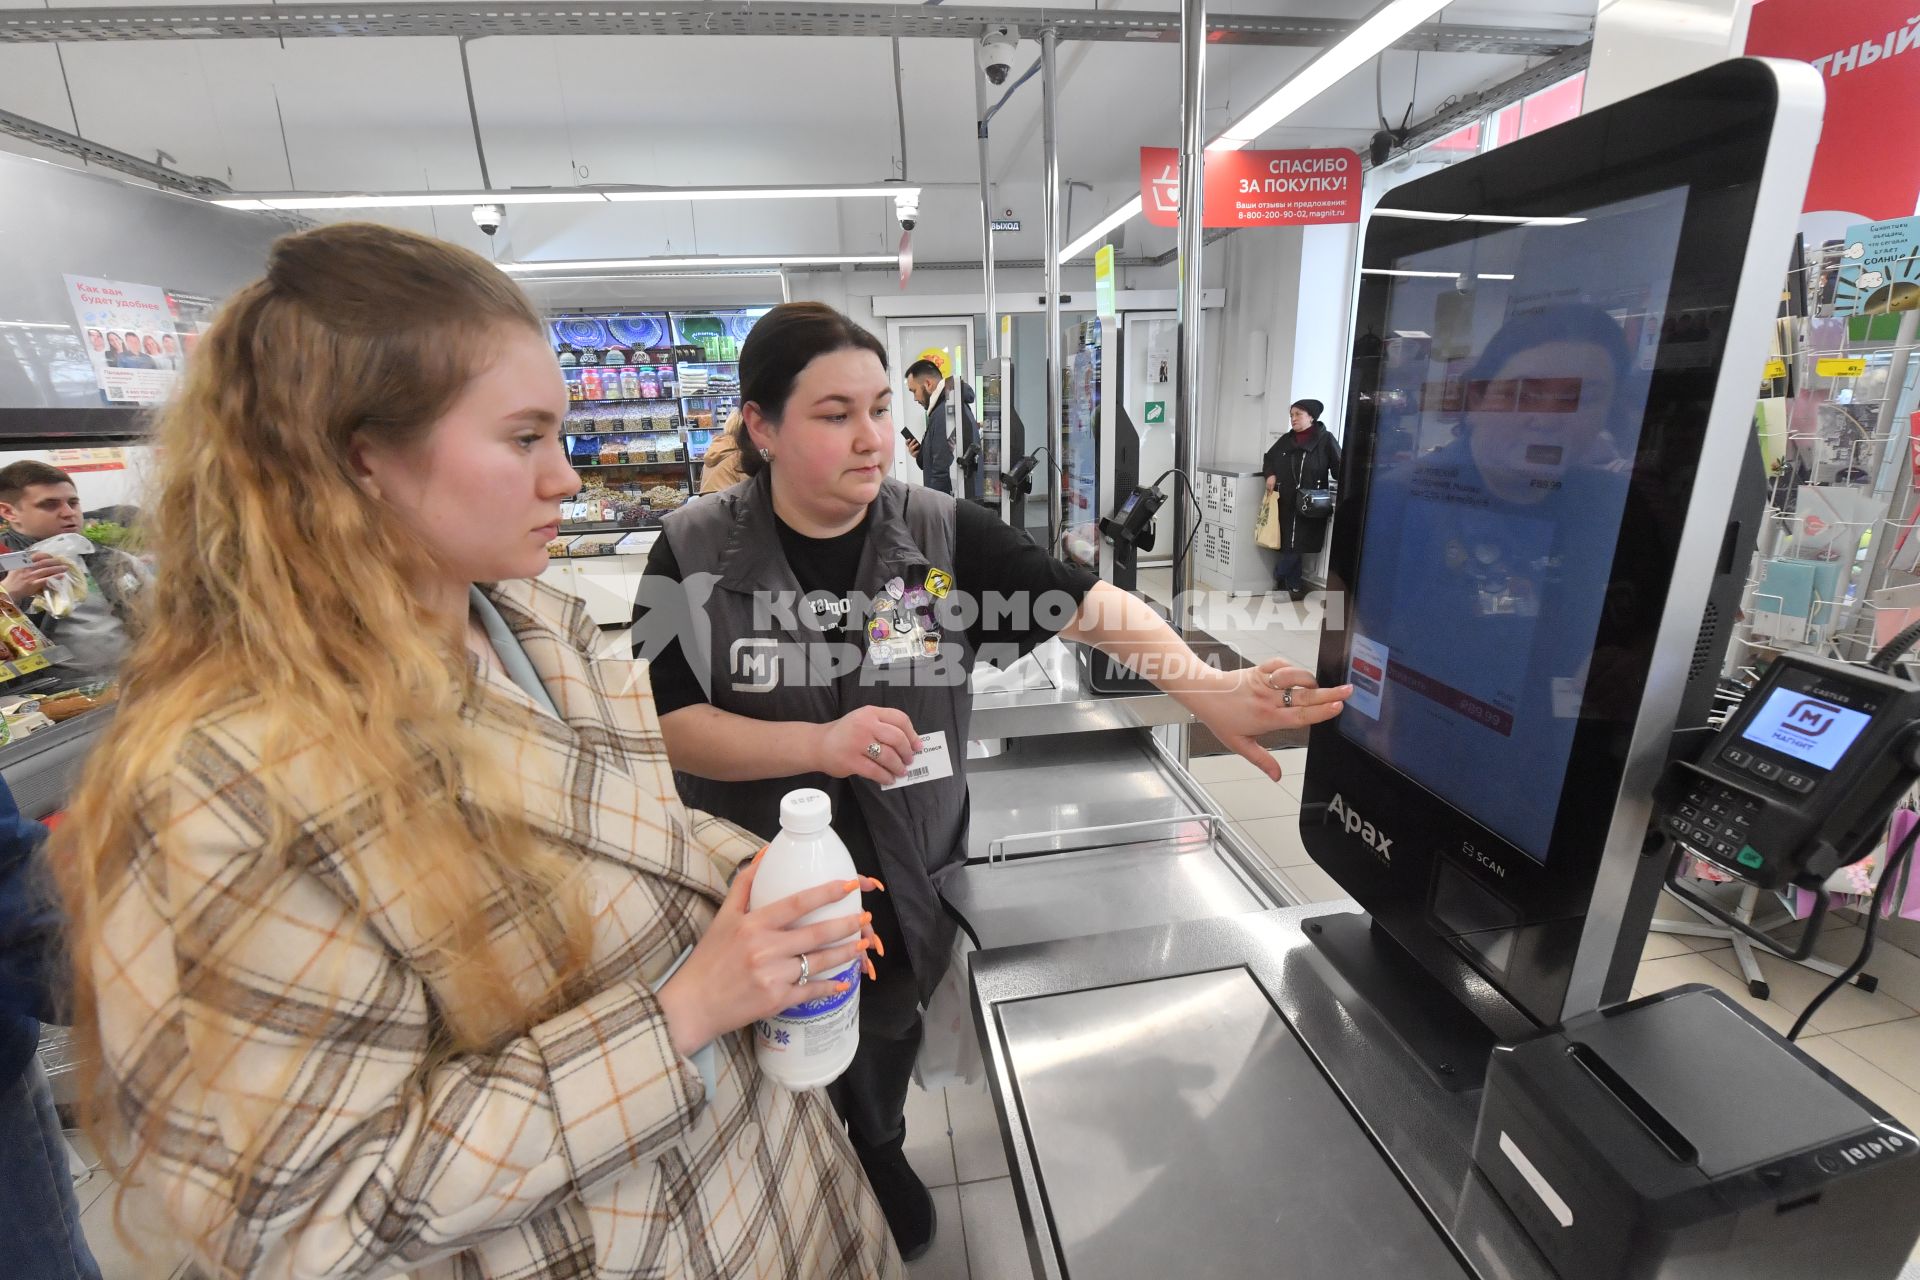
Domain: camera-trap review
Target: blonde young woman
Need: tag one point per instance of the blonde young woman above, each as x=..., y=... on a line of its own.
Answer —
x=395, y=949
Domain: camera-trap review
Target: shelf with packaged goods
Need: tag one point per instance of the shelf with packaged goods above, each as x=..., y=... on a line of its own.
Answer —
x=615, y=431
x=17, y=668
x=626, y=466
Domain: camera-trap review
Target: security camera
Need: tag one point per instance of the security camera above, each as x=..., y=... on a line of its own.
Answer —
x=907, y=210
x=488, y=217
x=996, y=52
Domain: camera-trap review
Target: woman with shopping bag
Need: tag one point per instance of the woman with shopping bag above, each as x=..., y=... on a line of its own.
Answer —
x=1300, y=468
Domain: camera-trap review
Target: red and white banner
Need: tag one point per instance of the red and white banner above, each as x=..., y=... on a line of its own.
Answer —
x=1257, y=188
x=1868, y=51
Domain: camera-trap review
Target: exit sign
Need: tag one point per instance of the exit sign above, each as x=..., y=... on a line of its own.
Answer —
x=1006, y=224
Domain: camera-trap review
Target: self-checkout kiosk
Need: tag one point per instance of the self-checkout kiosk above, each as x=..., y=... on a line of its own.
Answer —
x=1448, y=1075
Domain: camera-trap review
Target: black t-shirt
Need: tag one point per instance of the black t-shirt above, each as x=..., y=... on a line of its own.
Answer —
x=990, y=558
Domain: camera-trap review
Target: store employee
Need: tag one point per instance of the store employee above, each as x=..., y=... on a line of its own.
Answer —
x=815, y=626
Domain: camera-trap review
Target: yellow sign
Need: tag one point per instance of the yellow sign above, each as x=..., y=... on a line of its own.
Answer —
x=1776, y=368
x=939, y=583
x=6, y=672
x=1839, y=367
x=1103, y=299
x=1006, y=335
x=32, y=662
x=939, y=356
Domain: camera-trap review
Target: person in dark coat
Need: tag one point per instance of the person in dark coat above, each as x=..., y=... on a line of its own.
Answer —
x=1305, y=457
x=39, y=1218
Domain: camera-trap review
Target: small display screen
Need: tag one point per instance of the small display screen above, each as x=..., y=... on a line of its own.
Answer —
x=1813, y=731
x=1126, y=508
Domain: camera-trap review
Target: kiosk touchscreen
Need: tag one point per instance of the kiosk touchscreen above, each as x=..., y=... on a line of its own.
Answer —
x=1557, y=345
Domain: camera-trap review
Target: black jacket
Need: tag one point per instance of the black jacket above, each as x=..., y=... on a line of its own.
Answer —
x=945, y=436
x=1299, y=460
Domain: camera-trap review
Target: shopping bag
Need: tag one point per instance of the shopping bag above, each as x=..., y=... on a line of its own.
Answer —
x=949, y=1042
x=1266, y=527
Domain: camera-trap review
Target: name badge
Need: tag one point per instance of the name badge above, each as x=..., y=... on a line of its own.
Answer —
x=933, y=762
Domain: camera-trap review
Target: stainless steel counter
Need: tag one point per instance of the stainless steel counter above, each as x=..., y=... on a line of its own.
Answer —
x=1047, y=693
x=1210, y=1098
x=1095, y=832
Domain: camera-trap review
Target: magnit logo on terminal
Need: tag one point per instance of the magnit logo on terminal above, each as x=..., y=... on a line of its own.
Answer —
x=1369, y=835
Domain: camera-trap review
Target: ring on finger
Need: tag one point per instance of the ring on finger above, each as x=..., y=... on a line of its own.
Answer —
x=1286, y=695
x=1268, y=681
x=873, y=752
x=806, y=971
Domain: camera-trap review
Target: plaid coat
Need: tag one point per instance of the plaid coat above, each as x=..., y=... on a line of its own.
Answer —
x=583, y=1148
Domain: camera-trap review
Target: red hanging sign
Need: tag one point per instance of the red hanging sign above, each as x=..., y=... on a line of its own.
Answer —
x=1868, y=52
x=1257, y=188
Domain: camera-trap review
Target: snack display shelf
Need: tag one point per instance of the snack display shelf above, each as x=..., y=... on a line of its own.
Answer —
x=604, y=466
x=626, y=431
x=51, y=656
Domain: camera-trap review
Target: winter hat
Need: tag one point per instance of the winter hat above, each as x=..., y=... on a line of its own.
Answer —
x=1313, y=408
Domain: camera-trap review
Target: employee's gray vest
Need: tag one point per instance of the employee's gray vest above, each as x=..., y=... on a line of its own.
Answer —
x=920, y=831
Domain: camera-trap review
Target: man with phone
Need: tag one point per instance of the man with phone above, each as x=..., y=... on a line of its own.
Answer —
x=934, y=454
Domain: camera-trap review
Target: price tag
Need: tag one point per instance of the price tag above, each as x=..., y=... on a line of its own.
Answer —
x=32, y=662
x=6, y=672
x=1840, y=367
x=1776, y=368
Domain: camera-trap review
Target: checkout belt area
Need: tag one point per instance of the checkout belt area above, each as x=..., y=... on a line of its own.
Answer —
x=1446, y=1001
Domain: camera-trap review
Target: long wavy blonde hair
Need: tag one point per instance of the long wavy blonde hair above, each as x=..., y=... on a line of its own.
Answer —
x=279, y=580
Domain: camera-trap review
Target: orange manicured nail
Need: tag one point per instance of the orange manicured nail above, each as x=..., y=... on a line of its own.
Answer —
x=872, y=976
x=866, y=917
x=761, y=854
x=842, y=986
x=878, y=945
x=876, y=883
x=849, y=886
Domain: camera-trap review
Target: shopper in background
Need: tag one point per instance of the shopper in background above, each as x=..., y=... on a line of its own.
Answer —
x=1306, y=456
x=723, y=469
x=394, y=951
x=866, y=563
x=39, y=1218
x=39, y=501
x=934, y=451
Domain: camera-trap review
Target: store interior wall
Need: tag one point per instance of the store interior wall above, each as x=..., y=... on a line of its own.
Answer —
x=60, y=221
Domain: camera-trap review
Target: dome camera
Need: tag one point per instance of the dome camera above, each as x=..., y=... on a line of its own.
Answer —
x=488, y=217
x=996, y=52
x=907, y=210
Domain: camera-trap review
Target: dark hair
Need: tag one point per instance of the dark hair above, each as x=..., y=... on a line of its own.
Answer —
x=921, y=368
x=17, y=477
x=786, y=340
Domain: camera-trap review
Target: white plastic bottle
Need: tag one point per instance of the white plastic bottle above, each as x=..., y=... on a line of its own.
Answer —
x=810, y=1044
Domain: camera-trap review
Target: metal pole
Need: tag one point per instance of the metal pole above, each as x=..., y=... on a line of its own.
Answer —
x=986, y=217
x=1187, y=406
x=1050, y=248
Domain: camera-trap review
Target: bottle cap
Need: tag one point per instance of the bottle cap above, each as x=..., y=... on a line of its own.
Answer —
x=805, y=811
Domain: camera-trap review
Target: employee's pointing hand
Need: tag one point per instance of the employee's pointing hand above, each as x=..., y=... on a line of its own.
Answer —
x=1274, y=695
x=843, y=749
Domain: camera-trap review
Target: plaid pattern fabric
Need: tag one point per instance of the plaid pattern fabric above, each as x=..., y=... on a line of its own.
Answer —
x=288, y=1007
